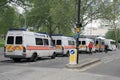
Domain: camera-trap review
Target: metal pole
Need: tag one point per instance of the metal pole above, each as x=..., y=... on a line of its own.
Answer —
x=78, y=32
x=78, y=21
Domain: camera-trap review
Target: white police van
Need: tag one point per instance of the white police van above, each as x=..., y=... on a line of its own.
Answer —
x=63, y=44
x=111, y=44
x=83, y=45
x=23, y=44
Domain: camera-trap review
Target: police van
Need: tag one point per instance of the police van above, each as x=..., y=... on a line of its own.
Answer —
x=63, y=44
x=111, y=44
x=83, y=45
x=100, y=44
x=23, y=44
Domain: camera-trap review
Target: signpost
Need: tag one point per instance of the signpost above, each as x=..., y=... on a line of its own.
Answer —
x=78, y=26
x=74, y=54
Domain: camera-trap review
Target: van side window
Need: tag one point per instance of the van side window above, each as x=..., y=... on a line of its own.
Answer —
x=58, y=42
x=46, y=42
x=10, y=40
x=71, y=43
x=18, y=40
x=111, y=42
x=39, y=41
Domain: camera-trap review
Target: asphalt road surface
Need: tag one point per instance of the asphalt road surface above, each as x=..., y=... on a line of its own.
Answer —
x=109, y=63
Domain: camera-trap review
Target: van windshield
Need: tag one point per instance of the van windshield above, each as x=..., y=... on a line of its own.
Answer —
x=10, y=40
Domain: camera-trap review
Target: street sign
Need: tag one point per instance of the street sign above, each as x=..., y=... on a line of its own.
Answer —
x=73, y=56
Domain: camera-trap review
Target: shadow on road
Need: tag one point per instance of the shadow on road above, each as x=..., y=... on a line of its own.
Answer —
x=24, y=60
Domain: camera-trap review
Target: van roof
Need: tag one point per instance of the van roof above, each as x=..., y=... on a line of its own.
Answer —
x=17, y=29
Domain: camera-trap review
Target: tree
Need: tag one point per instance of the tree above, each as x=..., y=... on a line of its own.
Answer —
x=9, y=17
x=112, y=14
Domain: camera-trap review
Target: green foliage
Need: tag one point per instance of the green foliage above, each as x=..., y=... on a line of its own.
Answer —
x=111, y=35
x=52, y=16
x=55, y=16
x=2, y=42
x=7, y=19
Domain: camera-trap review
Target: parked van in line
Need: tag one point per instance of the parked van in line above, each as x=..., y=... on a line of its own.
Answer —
x=111, y=44
x=23, y=44
x=83, y=45
x=63, y=44
x=99, y=43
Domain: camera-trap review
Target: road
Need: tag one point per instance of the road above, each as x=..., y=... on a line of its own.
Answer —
x=109, y=64
x=59, y=62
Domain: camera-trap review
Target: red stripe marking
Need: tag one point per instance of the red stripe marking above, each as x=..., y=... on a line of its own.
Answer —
x=69, y=47
x=38, y=48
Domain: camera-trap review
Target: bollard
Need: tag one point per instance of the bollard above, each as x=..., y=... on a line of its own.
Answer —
x=73, y=56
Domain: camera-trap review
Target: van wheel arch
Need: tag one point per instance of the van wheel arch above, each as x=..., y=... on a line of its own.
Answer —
x=34, y=57
x=67, y=54
x=53, y=55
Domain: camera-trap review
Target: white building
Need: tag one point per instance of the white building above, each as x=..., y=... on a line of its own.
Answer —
x=96, y=28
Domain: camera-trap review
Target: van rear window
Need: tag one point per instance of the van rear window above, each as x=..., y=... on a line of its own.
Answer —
x=83, y=42
x=18, y=40
x=79, y=42
x=10, y=40
x=53, y=42
x=59, y=42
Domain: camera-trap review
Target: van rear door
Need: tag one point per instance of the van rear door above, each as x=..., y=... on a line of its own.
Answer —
x=14, y=45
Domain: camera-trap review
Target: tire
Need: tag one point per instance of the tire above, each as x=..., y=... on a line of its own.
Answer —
x=67, y=54
x=53, y=56
x=34, y=58
x=16, y=59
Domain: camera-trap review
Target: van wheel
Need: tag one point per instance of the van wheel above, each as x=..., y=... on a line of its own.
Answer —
x=53, y=56
x=34, y=57
x=67, y=54
x=16, y=59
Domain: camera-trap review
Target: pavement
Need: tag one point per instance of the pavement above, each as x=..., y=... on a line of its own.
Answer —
x=71, y=72
x=39, y=73
x=31, y=73
x=83, y=63
x=1, y=50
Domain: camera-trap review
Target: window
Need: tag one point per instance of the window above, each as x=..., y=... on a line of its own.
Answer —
x=111, y=42
x=18, y=40
x=71, y=43
x=10, y=40
x=102, y=43
x=79, y=42
x=53, y=42
x=96, y=42
x=83, y=42
x=58, y=42
x=46, y=42
x=39, y=41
